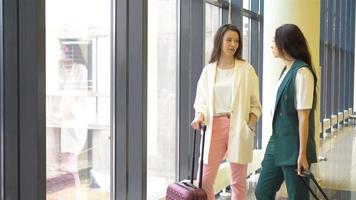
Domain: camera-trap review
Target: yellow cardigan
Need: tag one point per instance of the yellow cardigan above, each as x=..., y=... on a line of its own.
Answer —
x=245, y=100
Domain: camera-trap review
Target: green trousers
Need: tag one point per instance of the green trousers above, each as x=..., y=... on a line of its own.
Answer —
x=272, y=177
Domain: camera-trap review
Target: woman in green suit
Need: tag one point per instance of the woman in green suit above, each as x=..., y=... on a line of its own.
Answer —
x=291, y=148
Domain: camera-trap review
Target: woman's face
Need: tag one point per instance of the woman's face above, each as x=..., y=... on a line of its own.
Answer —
x=65, y=59
x=275, y=50
x=230, y=43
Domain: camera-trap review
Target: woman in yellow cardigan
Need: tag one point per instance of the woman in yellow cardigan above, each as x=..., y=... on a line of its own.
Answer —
x=227, y=101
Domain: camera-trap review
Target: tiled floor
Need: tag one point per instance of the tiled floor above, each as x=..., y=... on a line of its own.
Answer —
x=339, y=171
x=337, y=174
x=78, y=194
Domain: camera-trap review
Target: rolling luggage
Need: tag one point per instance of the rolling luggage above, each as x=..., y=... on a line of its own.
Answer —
x=186, y=190
x=308, y=174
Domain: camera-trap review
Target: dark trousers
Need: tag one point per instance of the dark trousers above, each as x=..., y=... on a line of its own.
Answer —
x=271, y=179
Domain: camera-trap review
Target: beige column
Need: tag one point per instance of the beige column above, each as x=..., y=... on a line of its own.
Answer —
x=306, y=15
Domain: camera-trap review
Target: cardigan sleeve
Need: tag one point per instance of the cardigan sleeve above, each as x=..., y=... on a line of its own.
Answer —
x=201, y=102
x=255, y=105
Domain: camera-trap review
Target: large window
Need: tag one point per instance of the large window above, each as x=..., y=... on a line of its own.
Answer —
x=78, y=111
x=161, y=96
x=252, y=34
x=337, y=28
x=213, y=21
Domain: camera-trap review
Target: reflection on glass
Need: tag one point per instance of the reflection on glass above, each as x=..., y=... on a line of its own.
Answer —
x=162, y=95
x=78, y=40
x=213, y=21
x=246, y=34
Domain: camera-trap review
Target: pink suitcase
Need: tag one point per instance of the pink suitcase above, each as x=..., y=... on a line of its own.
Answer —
x=186, y=190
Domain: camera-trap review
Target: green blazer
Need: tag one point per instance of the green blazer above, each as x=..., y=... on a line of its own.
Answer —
x=285, y=125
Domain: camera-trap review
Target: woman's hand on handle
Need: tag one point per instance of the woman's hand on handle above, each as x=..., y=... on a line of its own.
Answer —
x=198, y=120
x=302, y=164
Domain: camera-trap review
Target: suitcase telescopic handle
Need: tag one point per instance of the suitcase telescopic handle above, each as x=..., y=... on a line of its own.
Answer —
x=307, y=173
x=203, y=128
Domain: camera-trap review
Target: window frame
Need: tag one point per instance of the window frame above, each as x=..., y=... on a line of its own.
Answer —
x=129, y=99
x=191, y=36
x=23, y=119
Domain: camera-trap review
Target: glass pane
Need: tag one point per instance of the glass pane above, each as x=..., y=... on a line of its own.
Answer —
x=78, y=64
x=213, y=21
x=162, y=96
x=246, y=34
x=252, y=5
x=246, y=4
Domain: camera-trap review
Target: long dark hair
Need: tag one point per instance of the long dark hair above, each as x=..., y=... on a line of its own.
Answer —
x=290, y=40
x=218, y=38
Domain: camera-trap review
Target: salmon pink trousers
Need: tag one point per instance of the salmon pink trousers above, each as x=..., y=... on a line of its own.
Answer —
x=217, y=151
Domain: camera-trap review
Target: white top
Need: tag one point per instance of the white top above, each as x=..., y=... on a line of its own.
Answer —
x=223, y=90
x=245, y=100
x=304, y=89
